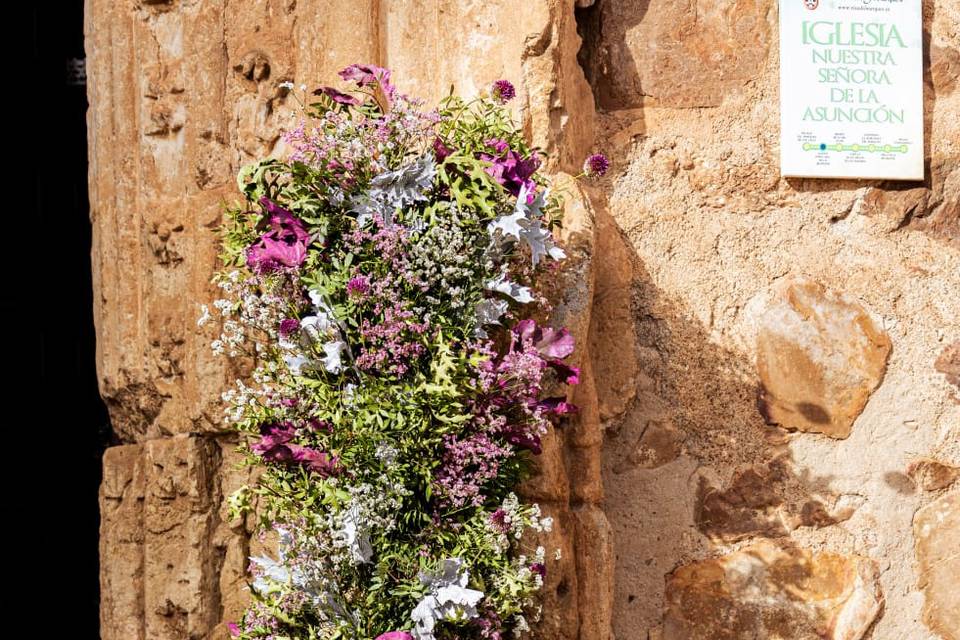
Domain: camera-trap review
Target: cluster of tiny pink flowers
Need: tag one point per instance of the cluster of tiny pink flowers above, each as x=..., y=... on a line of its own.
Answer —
x=389, y=346
x=468, y=464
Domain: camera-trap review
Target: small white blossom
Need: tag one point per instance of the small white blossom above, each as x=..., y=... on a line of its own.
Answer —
x=204, y=315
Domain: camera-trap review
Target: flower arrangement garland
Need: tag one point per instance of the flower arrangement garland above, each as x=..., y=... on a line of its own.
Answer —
x=382, y=279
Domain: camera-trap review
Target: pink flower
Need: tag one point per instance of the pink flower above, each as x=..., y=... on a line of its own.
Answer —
x=284, y=245
x=336, y=95
x=233, y=629
x=395, y=635
x=509, y=169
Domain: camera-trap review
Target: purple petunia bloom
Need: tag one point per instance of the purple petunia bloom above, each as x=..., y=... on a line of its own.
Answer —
x=274, y=437
x=395, y=635
x=317, y=461
x=275, y=446
x=336, y=95
x=539, y=568
x=440, y=150
x=367, y=74
x=550, y=342
x=558, y=406
x=509, y=169
x=503, y=91
x=283, y=245
x=596, y=165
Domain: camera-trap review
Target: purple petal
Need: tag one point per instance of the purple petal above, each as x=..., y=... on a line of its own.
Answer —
x=555, y=343
x=336, y=95
x=558, y=406
x=570, y=375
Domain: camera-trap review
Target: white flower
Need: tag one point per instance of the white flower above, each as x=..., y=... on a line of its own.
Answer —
x=557, y=554
x=204, y=315
x=296, y=364
x=353, y=537
x=449, y=600
x=333, y=353
x=520, y=294
x=286, y=85
x=272, y=574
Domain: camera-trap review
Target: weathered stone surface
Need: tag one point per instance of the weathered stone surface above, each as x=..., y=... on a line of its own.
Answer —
x=948, y=363
x=163, y=573
x=612, y=339
x=932, y=475
x=936, y=532
x=658, y=443
x=764, y=501
x=182, y=94
x=768, y=592
x=641, y=50
x=819, y=358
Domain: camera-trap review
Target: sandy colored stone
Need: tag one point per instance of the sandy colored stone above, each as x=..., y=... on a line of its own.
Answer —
x=936, y=532
x=932, y=475
x=642, y=50
x=767, y=592
x=612, y=339
x=819, y=358
x=658, y=443
x=948, y=363
x=182, y=94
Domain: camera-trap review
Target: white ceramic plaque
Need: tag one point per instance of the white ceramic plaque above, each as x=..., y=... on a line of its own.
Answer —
x=851, y=89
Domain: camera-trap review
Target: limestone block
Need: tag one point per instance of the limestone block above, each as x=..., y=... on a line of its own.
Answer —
x=765, y=591
x=819, y=357
x=936, y=532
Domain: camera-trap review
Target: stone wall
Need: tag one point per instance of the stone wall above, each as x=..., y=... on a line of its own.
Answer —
x=771, y=401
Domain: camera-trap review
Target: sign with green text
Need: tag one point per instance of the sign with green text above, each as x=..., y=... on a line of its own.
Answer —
x=851, y=89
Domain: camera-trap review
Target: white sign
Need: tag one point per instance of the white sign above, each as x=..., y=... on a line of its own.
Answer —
x=851, y=89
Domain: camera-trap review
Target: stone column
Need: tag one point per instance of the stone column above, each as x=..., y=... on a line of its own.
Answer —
x=182, y=94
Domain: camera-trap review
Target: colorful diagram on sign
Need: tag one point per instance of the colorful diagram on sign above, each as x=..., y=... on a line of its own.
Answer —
x=872, y=148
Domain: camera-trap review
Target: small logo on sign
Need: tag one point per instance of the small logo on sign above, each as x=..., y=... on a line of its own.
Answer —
x=811, y=4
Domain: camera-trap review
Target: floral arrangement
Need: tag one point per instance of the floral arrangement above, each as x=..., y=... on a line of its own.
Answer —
x=381, y=282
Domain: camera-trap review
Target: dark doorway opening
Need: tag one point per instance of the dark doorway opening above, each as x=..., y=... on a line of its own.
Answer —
x=54, y=310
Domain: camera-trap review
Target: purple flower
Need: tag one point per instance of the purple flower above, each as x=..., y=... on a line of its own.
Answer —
x=358, y=285
x=559, y=406
x=274, y=437
x=510, y=169
x=367, y=74
x=524, y=440
x=317, y=461
x=337, y=96
x=503, y=91
x=596, y=165
x=539, y=569
x=499, y=521
x=320, y=425
x=440, y=150
x=289, y=326
x=275, y=446
x=283, y=245
x=395, y=635
x=550, y=342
